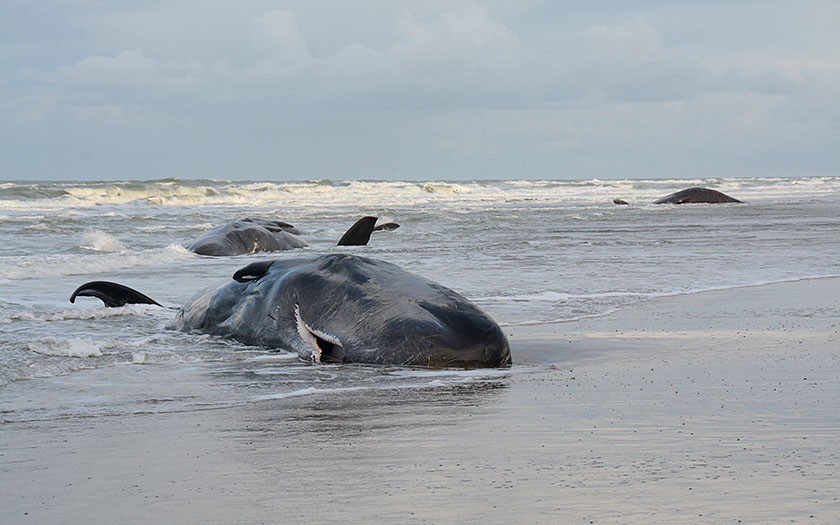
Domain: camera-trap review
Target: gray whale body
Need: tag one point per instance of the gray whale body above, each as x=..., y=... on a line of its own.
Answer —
x=344, y=309
x=263, y=235
x=696, y=196
x=247, y=236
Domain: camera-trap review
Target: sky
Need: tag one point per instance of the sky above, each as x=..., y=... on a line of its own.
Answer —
x=418, y=89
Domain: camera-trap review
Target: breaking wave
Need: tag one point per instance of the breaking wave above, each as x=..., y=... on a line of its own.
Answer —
x=66, y=347
x=100, y=241
x=51, y=266
x=22, y=197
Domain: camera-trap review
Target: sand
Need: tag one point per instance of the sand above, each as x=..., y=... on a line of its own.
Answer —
x=720, y=407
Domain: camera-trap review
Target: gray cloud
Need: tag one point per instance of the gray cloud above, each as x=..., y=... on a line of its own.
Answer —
x=485, y=89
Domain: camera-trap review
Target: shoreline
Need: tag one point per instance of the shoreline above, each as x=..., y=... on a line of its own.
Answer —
x=712, y=407
x=662, y=318
x=665, y=296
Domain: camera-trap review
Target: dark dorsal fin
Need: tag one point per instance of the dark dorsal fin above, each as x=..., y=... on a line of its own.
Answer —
x=253, y=271
x=359, y=233
x=112, y=294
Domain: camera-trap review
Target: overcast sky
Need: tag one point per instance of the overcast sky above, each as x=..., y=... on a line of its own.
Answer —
x=416, y=90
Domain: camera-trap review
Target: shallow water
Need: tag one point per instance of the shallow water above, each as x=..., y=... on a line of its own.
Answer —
x=527, y=252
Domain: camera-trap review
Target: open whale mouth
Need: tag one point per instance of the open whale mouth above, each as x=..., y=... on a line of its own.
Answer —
x=324, y=347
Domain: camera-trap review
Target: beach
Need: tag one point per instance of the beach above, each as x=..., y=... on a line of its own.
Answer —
x=714, y=407
x=419, y=263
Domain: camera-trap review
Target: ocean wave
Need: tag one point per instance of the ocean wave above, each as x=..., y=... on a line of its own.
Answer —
x=59, y=265
x=100, y=241
x=66, y=347
x=46, y=366
x=26, y=197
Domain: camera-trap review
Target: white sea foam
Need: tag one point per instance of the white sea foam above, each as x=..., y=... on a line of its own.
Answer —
x=453, y=373
x=309, y=392
x=274, y=357
x=438, y=379
x=551, y=297
x=378, y=193
x=66, y=347
x=48, y=266
x=82, y=313
x=100, y=241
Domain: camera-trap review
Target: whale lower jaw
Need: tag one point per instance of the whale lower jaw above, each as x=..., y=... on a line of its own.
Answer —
x=323, y=347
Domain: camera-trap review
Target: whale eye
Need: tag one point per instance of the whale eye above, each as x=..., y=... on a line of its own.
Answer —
x=324, y=347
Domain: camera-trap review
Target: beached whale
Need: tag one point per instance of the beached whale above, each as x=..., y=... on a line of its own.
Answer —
x=696, y=196
x=247, y=236
x=690, y=196
x=339, y=309
x=263, y=235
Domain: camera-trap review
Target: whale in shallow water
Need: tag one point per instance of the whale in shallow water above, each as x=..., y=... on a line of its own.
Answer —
x=263, y=235
x=690, y=196
x=696, y=196
x=247, y=236
x=341, y=309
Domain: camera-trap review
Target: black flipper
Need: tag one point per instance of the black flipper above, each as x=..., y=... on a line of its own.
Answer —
x=272, y=226
x=112, y=294
x=253, y=271
x=359, y=233
x=388, y=226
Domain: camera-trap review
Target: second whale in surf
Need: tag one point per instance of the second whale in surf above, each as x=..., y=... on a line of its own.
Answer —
x=247, y=236
x=263, y=235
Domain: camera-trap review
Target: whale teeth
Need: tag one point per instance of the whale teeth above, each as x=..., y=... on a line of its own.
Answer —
x=319, y=343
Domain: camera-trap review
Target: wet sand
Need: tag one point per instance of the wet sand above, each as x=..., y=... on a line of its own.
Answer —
x=721, y=407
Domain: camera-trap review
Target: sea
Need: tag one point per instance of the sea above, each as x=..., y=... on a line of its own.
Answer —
x=529, y=253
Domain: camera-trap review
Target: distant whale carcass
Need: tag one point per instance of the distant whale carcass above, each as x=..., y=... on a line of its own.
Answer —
x=340, y=309
x=696, y=196
x=690, y=196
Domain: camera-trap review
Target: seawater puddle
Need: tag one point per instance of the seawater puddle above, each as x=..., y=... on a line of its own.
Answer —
x=146, y=384
x=294, y=378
